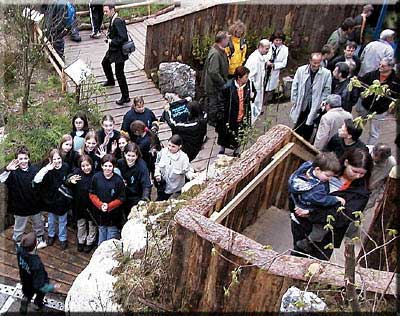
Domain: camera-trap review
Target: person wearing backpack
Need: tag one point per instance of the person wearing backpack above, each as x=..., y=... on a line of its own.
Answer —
x=117, y=35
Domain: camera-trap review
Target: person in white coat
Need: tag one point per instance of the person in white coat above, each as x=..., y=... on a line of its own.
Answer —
x=278, y=61
x=311, y=85
x=256, y=64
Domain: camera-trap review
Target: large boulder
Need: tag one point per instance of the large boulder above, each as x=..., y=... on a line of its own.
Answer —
x=175, y=77
x=92, y=290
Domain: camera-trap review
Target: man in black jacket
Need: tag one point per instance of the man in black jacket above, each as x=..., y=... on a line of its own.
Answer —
x=340, y=83
x=116, y=37
x=386, y=76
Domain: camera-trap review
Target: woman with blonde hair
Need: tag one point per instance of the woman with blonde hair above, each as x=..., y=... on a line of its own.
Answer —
x=237, y=46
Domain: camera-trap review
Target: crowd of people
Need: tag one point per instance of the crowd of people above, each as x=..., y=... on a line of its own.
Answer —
x=93, y=178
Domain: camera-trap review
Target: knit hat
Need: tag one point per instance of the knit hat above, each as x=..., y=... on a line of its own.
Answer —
x=334, y=100
x=28, y=241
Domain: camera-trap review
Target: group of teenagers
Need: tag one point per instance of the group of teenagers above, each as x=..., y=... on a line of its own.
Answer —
x=94, y=178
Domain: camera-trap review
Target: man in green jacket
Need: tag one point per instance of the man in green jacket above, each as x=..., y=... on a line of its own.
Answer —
x=215, y=74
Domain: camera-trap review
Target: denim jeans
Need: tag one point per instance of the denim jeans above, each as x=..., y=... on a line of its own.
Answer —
x=62, y=225
x=107, y=233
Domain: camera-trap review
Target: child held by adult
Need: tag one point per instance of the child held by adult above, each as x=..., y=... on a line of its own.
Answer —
x=23, y=200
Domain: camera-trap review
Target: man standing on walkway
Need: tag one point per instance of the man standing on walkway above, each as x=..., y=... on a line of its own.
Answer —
x=311, y=85
x=215, y=74
x=96, y=17
x=375, y=51
x=330, y=121
x=117, y=35
x=386, y=76
x=256, y=64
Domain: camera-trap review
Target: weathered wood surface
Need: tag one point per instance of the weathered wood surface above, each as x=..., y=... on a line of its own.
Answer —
x=169, y=37
x=387, y=216
x=199, y=276
x=62, y=266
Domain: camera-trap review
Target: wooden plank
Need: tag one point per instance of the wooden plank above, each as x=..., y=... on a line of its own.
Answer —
x=276, y=160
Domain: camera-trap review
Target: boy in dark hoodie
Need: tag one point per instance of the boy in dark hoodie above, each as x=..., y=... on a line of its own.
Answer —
x=33, y=275
x=309, y=190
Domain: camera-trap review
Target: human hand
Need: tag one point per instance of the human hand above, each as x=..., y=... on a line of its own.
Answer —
x=57, y=287
x=75, y=178
x=158, y=178
x=101, y=151
x=114, y=146
x=341, y=200
x=13, y=165
x=50, y=165
x=301, y=213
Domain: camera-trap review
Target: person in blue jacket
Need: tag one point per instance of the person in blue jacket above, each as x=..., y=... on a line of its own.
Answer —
x=309, y=189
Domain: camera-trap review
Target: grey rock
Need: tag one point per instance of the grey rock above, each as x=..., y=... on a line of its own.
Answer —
x=295, y=300
x=175, y=77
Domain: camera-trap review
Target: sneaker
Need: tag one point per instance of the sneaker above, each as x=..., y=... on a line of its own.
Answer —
x=41, y=243
x=88, y=248
x=122, y=101
x=97, y=35
x=64, y=244
x=50, y=241
x=80, y=247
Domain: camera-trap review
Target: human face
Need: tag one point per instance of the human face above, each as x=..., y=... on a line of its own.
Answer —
x=108, y=127
x=90, y=144
x=353, y=173
x=315, y=62
x=343, y=133
x=23, y=160
x=264, y=49
x=384, y=68
x=139, y=107
x=173, y=148
x=108, y=169
x=336, y=73
x=57, y=161
x=239, y=33
x=122, y=143
x=349, y=52
x=225, y=41
x=79, y=124
x=242, y=80
x=86, y=167
x=277, y=42
x=324, y=176
x=66, y=146
x=130, y=158
x=107, y=11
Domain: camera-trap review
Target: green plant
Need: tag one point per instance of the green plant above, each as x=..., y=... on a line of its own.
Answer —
x=200, y=47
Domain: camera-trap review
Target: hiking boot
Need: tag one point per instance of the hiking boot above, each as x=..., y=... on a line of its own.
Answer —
x=122, y=101
x=64, y=244
x=81, y=247
x=304, y=245
x=41, y=243
x=88, y=248
x=50, y=240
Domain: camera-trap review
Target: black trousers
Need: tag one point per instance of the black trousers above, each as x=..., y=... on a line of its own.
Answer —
x=96, y=17
x=301, y=128
x=119, y=73
x=29, y=291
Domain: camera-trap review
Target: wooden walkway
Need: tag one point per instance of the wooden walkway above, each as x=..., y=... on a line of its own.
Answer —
x=62, y=266
x=92, y=52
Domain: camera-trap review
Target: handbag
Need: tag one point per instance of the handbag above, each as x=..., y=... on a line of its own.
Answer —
x=128, y=47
